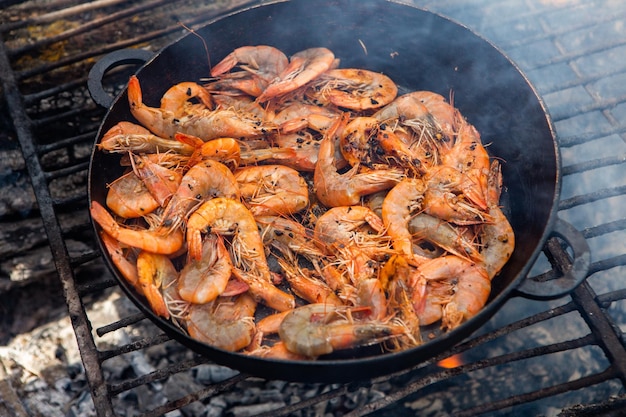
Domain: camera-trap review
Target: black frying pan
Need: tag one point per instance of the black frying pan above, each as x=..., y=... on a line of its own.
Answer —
x=419, y=50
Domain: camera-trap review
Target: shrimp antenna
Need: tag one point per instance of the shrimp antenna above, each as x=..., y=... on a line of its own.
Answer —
x=206, y=48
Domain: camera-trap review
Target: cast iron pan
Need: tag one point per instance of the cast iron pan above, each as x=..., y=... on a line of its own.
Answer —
x=419, y=50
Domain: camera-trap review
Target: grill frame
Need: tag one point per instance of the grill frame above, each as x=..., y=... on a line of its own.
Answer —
x=591, y=307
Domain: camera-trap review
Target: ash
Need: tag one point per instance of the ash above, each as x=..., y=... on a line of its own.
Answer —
x=41, y=372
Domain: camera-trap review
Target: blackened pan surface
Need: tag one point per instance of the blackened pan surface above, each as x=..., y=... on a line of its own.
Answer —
x=419, y=50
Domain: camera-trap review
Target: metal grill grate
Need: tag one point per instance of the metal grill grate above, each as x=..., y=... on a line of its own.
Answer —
x=571, y=51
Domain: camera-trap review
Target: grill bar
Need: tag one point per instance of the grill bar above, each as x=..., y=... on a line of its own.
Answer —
x=60, y=255
x=539, y=394
x=92, y=25
x=608, y=338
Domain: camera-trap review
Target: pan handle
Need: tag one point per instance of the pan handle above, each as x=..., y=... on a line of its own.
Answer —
x=112, y=60
x=547, y=286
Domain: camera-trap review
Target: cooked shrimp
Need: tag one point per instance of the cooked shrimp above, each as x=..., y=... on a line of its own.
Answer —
x=356, y=226
x=400, y=303
x=355, y=89
x=277, y=351
x=407, y=109
x=303, y=67
x=206, y=124
x=125, y=262
x=407, y=114
x=130, y=137
x=265, y=291
x=306, y=286
x=445, y=115
x=228, y=217
x=335, y=189
x=203, y=181
x=271, y=323
x=128, y=197
x=225, y=323
x=298, y=116
x=497, y=236
x=243, y=105
x=288, y=236
x=272, y=189
x=203, y=280
x=305, y=147
x=147, y=239
x=400, y=148
x=162, y=182
x=355, y=237
x=402, y=202
x=470, y=287
x=444, y=197
x=224, y=150
x=356, y=140
x=259, y=64
x=449, y=237
x=152, y=269
x=371, y=294
x=470, y=158
x=176, y=98
x=318, y=329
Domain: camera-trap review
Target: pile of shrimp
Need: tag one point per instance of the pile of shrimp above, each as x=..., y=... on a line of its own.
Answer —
x=288, y=208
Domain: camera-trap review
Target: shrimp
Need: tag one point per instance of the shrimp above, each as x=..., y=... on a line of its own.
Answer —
x=446, y=116
x=408, y=110
x=269, y=155
x=225, y=323
x=497, y=236
x=400, y=303
x=306, y=286
x=263, y=290
x=356, y=226
x=400, y=204
x=229, y=217
x=146, y=239
x=305, y=148
x=355, y=236
x=130, y=137
x=444, y=197
x=470, y=158
x=355, y=89
x=152, y=270
x=271, y=323
x=303, y=67
x=277, y=351
x=128, y=197
x=288, y=236
x=224, y=150
x=203, y=280
x=318, y=329
x=272, y=189
x=259, y=64
x=203, y=181
x=445, y=235
x=244, y=105
x=176, y=98
x=356, y=142
x=205, y=124
x=298, y=116
x=125, y=263
x=334, y=189
x=470, y=287
x=401, y=148
x=161, y=181
x=371, y=294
